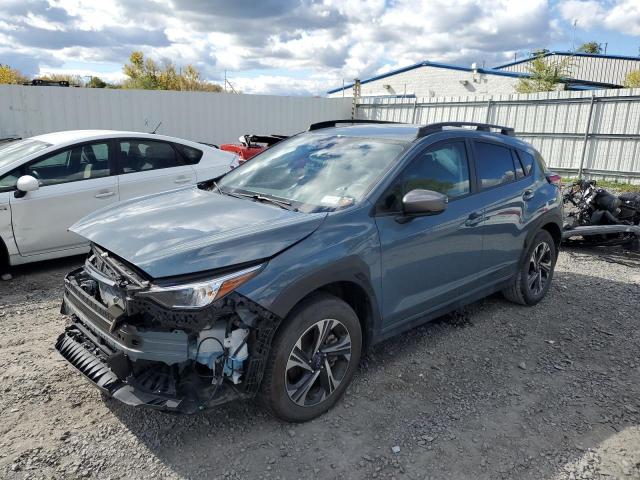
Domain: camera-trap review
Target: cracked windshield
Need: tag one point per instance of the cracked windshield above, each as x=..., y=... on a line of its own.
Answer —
x=318, y=172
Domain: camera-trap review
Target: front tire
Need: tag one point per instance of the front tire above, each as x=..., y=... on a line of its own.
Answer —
x=313, y=359
x=535, y=272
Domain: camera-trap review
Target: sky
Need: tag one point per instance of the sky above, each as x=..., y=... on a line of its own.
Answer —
x=301, y=47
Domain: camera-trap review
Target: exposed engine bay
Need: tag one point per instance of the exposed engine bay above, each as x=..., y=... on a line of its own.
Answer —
x=144, y=353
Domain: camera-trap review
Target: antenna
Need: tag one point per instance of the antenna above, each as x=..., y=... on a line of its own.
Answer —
x=230, y=86
x=157, y=127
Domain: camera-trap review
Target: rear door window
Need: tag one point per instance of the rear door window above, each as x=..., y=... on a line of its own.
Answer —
x=143, y=155
x=494, y=165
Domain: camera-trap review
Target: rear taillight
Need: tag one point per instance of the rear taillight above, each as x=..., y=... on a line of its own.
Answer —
x=555, y=179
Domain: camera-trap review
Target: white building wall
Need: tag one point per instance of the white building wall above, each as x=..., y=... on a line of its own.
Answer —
x=429, y=81
x=594, y=69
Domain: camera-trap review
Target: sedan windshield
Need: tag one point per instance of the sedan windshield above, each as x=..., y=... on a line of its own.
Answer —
x=315, y=171
x=15, y=150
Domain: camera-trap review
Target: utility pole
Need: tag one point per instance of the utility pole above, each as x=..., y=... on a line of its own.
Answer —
x=356, y=96
x=573, y=41
x=225, y=80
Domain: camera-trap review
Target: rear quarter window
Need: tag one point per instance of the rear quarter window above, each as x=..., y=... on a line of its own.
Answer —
x=191, y=155
x=527, y=161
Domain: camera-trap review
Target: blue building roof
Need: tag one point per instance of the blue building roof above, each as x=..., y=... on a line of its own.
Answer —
x=425, y=63
x=486, y=71
x=570, y=54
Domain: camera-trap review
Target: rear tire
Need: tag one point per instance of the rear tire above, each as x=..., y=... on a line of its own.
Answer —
x=4, y=258
x=535, y=272
x=313, y=359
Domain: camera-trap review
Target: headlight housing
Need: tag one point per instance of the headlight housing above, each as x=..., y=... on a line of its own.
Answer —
x=201, y=293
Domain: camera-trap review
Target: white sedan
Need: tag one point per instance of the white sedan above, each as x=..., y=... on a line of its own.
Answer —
x=49, y=182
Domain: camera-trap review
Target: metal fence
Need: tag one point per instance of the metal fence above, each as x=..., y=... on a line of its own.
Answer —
x=208, y=117
x=596, y=132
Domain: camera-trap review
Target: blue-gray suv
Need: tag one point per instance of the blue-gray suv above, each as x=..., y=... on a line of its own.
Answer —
x=274, y=278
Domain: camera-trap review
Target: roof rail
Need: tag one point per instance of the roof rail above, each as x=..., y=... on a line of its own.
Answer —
x=483, y=127
x=333, y=123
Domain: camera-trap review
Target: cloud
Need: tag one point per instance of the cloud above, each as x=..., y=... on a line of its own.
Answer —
x=266, y=45
x=621, y=16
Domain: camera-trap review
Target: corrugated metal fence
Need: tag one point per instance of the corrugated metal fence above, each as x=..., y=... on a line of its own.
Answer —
x=208, y=117
x=599, y=130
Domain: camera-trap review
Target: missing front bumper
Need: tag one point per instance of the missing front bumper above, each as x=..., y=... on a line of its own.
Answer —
x=135, y=363
x=145, y=388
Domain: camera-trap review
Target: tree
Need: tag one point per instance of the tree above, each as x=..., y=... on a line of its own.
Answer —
x=632, y=79
x=544, y=76
x=11, y=75
x=148, y=75
x=96, y=82
x=590, y=47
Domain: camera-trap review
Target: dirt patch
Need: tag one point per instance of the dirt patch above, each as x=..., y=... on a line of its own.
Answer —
x=495, y=391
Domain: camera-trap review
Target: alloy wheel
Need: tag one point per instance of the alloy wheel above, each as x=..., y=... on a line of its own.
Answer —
x=318, y=362
x=539, y=268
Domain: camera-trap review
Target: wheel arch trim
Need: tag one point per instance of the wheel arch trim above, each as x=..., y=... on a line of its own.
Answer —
x=347, y=273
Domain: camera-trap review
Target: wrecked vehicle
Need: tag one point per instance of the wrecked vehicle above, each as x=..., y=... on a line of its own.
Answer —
x=597, y=217
x=251, y=145
x=273, y=279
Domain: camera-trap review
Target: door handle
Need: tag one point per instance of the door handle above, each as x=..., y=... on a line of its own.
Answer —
x=474, y=218
x=527, y=195
x=182, y=180
x=105, y=194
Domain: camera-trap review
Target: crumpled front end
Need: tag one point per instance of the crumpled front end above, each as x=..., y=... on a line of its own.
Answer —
x=145, y=354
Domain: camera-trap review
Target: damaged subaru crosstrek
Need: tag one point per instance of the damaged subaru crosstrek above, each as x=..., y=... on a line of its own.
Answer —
x=272, y=280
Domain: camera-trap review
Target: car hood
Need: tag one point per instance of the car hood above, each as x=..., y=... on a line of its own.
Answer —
x=192, y=230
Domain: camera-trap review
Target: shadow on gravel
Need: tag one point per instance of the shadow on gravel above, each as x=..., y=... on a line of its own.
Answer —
x=47, y=266
x=617, y=255
x=494, y=391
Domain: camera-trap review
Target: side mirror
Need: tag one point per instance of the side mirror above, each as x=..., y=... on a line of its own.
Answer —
x=424, y=202
x=26, y=183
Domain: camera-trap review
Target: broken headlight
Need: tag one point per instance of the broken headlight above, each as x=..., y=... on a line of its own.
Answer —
x=201, y=293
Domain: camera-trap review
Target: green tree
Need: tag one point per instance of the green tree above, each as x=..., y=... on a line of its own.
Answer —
x=632, y=79
x=145, y=73
x=96, y=82
x=11, y=75
x=590, y=47
x=544, y=75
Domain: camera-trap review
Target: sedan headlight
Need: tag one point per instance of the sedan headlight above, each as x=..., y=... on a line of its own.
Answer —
x=202, y=293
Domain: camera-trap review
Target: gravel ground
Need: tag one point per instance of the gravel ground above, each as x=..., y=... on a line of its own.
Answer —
x=495, y=391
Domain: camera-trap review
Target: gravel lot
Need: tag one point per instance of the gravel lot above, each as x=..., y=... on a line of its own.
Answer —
x=496, y=391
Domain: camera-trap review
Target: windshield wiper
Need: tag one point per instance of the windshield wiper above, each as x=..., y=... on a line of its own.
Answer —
x=261, y=198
